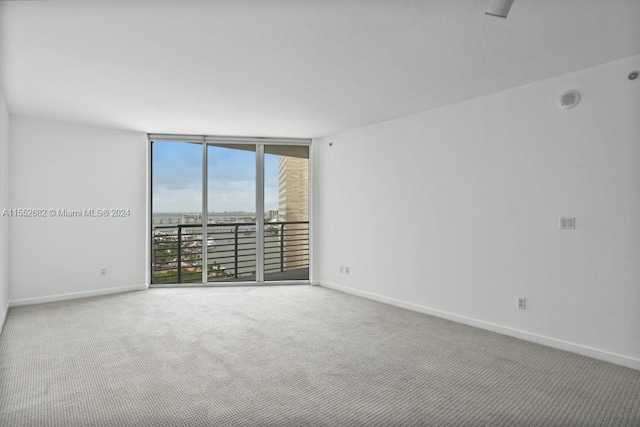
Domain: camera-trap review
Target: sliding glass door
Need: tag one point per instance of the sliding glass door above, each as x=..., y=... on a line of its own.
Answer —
x=231, y=197
x=286, y=215
x=206, y=196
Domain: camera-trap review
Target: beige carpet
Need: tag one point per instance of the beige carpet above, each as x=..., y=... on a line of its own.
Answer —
x=288, y=356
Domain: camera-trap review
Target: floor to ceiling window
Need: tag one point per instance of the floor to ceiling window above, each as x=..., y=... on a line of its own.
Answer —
x=176, y=237
x=231, y=195
x=286, y=212
x=229, y=210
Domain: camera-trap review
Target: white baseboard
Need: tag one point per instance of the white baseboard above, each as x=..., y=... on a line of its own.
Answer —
x=4, y=316
x=595, y=353
x=75, y=295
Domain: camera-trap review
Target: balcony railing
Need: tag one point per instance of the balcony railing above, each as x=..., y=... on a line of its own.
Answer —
x=177, y=252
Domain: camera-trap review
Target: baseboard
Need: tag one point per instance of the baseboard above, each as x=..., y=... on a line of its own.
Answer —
x=4, y=315
x=75, y=295
x=594, y=353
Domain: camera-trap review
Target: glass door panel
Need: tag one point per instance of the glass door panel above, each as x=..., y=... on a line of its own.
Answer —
x=231, y=226
x=176, y=214
x=225, y=182
x=286, y=212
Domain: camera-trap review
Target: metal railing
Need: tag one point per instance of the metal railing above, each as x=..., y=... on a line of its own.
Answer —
x=177, y=254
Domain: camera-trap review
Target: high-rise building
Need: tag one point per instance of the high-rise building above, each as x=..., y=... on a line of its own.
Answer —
x=293, y=206
x=293, y=186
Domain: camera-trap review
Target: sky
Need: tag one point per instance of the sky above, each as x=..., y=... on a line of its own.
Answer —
x=177, y=178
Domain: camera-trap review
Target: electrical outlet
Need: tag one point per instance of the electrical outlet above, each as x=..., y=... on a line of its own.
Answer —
x=567, y=223
x=346, y=269
x=522, y=303
x=341, y=269
x=103, y=272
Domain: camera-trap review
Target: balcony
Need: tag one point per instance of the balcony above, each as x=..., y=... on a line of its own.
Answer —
x=177, y=252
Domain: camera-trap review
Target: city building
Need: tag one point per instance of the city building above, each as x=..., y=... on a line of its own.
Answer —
x=293, y=186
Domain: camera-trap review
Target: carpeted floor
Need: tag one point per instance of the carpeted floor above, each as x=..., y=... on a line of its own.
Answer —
x=288, y=356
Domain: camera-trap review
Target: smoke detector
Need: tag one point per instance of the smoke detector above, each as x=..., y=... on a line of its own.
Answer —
x=569, y=99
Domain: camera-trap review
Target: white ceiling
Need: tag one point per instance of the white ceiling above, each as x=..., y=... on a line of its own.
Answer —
x=299, y=68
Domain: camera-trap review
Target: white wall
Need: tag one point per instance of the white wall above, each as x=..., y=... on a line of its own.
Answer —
x=64, y=166
x=4, y=204
x=455, y=212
